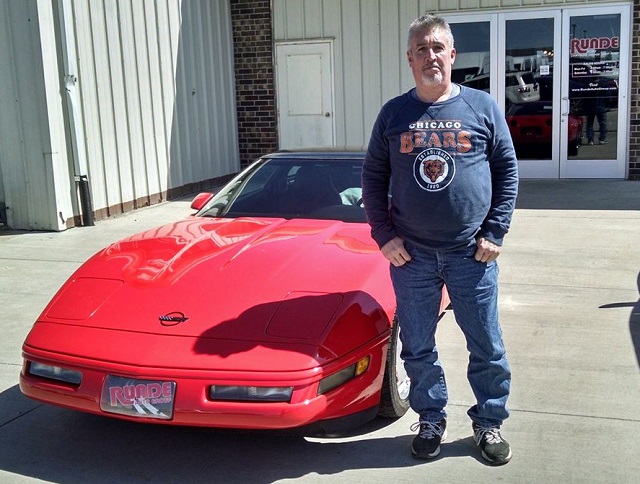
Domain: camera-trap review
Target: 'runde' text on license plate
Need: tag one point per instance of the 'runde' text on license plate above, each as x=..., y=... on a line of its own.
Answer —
x=138, y=398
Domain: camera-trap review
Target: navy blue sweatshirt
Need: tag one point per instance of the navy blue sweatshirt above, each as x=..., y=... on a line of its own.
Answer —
x=449, y=167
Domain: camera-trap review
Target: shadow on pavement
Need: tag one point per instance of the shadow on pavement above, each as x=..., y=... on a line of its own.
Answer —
x=57, y=445
x=634, y=320
x=634, y=325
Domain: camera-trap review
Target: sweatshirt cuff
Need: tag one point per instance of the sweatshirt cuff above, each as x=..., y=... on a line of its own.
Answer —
x=497, y=237
x=383, y=238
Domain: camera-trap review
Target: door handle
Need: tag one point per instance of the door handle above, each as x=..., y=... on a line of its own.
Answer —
x=568, y=106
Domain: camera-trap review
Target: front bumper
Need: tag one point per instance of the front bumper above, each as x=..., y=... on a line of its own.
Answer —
x=192, y=405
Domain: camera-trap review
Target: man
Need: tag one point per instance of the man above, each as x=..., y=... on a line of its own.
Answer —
x=440, y=181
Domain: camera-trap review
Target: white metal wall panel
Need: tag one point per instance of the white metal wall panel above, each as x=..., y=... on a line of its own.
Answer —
x=370, y=39
x=57, y=182
x=32, y=140
x=370, y=20
x=391, y=31
x=11, y=137
x=157, y=103
x=156, y=79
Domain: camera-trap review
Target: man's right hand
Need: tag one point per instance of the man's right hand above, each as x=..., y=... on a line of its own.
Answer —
x=395, y=252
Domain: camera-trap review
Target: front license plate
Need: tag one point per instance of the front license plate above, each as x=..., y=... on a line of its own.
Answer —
x=138, y=398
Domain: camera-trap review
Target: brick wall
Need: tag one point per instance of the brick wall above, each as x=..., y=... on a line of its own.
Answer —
x=634, y=113
x=255, y=95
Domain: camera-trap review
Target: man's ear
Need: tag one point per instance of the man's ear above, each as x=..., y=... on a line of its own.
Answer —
x=453, y=55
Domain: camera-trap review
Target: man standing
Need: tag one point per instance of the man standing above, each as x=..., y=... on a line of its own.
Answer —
x=440, y=180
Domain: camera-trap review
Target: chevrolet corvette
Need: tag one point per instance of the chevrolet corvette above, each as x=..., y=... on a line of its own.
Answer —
x=270, y=307
x=531, y=128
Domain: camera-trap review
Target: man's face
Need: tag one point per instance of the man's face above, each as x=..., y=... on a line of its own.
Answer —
x=431, y=57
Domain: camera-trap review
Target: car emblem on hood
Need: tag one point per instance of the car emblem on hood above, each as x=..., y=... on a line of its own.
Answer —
x=171, y=319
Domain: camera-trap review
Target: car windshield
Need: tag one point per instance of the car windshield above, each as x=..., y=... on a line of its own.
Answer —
x=293, y=188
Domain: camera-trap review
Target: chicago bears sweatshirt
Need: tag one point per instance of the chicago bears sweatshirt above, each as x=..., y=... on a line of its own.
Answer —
x=440, y=174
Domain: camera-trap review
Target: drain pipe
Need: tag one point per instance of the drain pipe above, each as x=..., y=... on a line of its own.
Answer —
x=81, y=169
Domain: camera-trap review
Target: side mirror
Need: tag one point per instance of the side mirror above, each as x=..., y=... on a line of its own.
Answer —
x=201, y=200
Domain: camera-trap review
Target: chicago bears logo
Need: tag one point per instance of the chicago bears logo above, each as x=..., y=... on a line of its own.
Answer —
x=434, y=169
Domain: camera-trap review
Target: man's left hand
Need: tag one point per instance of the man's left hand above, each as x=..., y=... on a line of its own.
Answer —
x=487, y=250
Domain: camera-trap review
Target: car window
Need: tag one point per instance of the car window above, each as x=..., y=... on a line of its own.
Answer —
x=291, y=188
x=511, y=80
x=528, y=78
x=259, y=179
x=481, y=83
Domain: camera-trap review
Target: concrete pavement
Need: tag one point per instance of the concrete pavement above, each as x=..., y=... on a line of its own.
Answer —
x=570, y=306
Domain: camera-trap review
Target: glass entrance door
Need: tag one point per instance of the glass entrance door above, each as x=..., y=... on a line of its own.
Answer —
x=595, y=83
x=530, y=91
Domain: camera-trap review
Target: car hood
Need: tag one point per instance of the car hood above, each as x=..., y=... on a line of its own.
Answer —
x=235, y=280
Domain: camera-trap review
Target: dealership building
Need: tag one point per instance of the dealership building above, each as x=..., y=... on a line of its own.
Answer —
x=108, y=106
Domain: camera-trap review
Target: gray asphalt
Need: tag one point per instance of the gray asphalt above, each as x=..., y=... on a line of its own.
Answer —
x=570, y=309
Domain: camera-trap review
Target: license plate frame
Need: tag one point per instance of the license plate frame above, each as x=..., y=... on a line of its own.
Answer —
x=138, y=398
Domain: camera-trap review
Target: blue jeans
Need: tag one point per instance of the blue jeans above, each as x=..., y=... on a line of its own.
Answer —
x=473, y=289
x=602, y=124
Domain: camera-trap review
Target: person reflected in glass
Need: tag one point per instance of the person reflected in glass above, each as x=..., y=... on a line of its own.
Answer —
x=596, y=108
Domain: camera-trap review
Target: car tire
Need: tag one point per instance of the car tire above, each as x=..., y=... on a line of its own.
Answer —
x=394, y=401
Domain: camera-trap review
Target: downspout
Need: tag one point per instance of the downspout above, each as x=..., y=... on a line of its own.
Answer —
x=81, y=168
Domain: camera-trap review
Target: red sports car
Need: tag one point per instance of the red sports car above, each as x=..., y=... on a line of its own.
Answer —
x=270, y=308
x=531, y=128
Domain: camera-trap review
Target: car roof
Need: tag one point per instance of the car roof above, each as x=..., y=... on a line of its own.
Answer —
x=318, y=154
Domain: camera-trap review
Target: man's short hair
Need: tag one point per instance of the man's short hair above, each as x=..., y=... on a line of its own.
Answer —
x=429, y=22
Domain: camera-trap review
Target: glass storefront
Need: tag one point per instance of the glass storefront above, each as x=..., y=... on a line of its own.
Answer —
x=559, y=77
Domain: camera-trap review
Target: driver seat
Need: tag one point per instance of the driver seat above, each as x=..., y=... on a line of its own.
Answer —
x=312, y=189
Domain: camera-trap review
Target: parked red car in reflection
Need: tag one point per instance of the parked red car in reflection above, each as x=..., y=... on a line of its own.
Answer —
x=531, y=127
